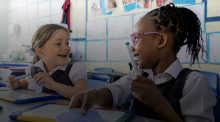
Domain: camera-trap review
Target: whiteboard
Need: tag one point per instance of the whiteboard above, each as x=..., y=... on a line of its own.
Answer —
x=96, y=51
x=185, y=58
x=31, y=1
x=96, y=29
x=24, y=28
x=137, y=17
x=22, y=94
x=117, y=50
x=120, y=26
x=12, y=4
x=43, y=21
x=13, y=16
x=44, y=9
x=56, y=19
x=199, y=10
x=22, y=3
x=78, y=50
x=32, y=12
x=22, y=14
x=44, y=111
x=56, y=6
x=214, y=48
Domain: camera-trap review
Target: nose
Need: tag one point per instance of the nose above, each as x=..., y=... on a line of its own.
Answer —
x=133, y=48
x=66, y=47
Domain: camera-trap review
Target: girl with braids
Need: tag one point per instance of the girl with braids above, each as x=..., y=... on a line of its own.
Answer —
x=50, y=66
x=165, y=90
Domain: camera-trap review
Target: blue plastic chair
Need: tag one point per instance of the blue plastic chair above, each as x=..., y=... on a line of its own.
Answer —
x=95, y=83
x=213, y=80
x=216, y=109
x=4, y=73
x=102, y=77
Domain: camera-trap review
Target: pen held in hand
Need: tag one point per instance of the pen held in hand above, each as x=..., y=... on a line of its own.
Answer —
x=136, y=71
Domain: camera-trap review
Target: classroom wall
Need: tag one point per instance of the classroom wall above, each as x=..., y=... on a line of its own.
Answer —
x=3, y=26
x=117, y=66
x=29, y=15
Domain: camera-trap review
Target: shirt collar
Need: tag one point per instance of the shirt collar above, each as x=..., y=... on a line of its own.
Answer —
x=40, y=64
x=174, y=69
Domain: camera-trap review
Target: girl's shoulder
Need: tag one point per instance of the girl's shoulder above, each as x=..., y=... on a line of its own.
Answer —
x=197, y=80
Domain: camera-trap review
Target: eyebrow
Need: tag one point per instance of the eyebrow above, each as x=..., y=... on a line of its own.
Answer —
x=62, y=39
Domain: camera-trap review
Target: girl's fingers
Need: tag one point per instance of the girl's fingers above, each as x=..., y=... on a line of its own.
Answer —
x=36, y=76
x=40, y=81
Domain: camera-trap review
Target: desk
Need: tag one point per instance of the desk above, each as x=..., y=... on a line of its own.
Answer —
x=17, y=69
x=9, y=108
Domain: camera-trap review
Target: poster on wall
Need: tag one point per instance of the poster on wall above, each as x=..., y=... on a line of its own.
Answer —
x=95, y=7
x=129, y=5
x=108, y=6
x=163, y=2
x=184, y=1
x=143, y=4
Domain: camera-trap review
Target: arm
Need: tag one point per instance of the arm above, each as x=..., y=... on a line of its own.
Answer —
x=166, y=112
x=146, y=91
x=89, y=98
x=23, y=83
x=104, y=97
x=69, y=91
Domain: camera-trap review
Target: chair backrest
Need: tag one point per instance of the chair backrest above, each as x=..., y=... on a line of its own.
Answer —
x=102, y=77
x=4, y=73
x=95, y=83
x=213, y=80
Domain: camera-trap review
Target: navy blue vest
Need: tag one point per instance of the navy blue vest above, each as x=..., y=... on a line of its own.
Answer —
x=59, y=76
x=171, y=90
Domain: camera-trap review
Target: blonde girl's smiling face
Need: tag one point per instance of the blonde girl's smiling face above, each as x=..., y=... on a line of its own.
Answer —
x=56, y=50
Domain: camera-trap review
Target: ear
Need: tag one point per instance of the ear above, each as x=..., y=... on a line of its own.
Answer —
x=162, y=40
x=39, y=52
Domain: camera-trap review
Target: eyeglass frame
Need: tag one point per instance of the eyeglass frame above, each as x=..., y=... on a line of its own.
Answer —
x=142, y=34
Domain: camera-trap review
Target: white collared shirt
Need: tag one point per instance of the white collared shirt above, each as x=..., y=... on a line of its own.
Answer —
x=77, y=71
x=197, y=101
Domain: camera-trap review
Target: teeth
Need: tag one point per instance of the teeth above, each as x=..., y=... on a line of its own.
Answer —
x=63, y=54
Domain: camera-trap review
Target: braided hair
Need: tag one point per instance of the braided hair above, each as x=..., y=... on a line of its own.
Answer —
x=183, y=24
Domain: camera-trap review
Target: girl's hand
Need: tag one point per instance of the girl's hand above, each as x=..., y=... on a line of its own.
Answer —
x=84, y=100
x=12, y=83
x=146, y=91
x=44, y=78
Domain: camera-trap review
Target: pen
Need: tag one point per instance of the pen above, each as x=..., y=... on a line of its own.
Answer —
x=23, y=76
x=136, y=71
x=134, y=65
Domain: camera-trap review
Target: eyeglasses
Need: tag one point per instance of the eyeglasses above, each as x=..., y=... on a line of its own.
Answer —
x=133, y=35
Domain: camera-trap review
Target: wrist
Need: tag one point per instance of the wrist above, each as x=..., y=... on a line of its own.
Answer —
x=161, y=104
x=54, y=85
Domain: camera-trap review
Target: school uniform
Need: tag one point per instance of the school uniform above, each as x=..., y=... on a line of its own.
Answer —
x=66, y=74
x=188, y=92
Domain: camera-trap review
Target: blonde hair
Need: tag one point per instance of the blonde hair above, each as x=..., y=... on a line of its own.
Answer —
x=42, y=35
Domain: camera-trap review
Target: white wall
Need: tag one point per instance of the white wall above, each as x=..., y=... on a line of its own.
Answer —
x=46, y=12
x=3, y=26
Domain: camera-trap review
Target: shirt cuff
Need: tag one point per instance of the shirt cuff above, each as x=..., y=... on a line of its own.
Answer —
x=113, y=90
